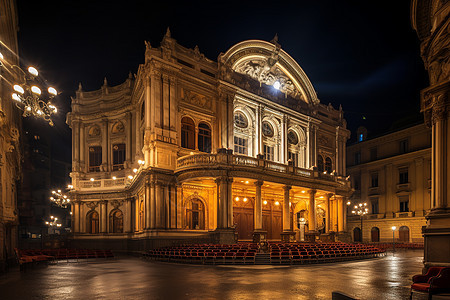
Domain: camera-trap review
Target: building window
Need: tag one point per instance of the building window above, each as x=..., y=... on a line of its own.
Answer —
x=320, y=164
x=292, y=138
x=187, y=133
x=374, y=180
x=204, y=138
x=375, y=234
x=357, y=234
x=328, y=165
x=357, y=158
x=118, y=156
x=240, y=120
x=268, y=153
x=116, y=221
x=373, y=153
x=267, y=129
x=294, y=157
x=403, y=146
x=403, y=234
x=92, y=222
x=95, y=158
x=240, y=145
x=404, y=203
x=195, y=215
x=403, y=175
x=374, y=203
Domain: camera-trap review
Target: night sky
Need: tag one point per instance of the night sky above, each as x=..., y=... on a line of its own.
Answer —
x=361, y=54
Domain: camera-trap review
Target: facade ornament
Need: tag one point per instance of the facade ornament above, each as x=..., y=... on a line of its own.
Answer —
x=196, y=99
x=116, y=203
x=91, y=204
x=438, y=114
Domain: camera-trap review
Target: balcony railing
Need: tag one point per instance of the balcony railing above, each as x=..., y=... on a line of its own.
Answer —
x=102, y=184
x=206, y=160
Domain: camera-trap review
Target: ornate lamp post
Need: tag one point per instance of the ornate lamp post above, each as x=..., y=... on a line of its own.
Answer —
x=31, y=94
x=53, y=222
x=59, y=199
x=360, y=209
x=393, y=239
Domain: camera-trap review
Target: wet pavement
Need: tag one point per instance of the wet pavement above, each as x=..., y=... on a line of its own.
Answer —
x=134, y=278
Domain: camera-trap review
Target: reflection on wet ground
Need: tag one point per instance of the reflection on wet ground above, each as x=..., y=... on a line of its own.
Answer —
x=133, y=278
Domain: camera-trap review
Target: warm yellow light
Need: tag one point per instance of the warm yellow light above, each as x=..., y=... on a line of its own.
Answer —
x=277, y=203
x=70, y=186
x=114, y=177
x=134, y=170
x=318, y=205
x=36, y=90
x=28, y=108
x=18, y=89
x=348, y=203
x=59, y=225
x=59, y=191
x=356, y=206
x=33, y=71
x=303, y=192
x=1, y=55
x=130, y=177
x=237, y=198
x=265, y=202
x=276, y=85
x=321, y=197
x=52, y=91
x=246, y=182
x=353, y=211
x=15, y=97
x=394, y=227
x=51, y=217
x=245, y=199
x=46, y=222
x=191, y=153
x=290, y=204
x=92, y=179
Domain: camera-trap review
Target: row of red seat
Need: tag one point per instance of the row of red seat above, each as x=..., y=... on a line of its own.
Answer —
x=398, y=245
x=314, y=256
x=205, y=257
x=26, y=256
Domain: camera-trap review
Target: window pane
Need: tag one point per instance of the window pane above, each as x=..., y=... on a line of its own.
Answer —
x=118, y=156
x=95, y=158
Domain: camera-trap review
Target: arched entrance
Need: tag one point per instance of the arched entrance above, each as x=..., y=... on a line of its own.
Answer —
x=243, y=217
x=403, y=234
x=195, y=214
x=116, y=221
x=92, y=222
x=375, y=234
x=357, y=234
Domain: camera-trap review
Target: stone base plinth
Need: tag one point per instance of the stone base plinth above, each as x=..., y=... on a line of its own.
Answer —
x=328, y=237
x=224, y=236
x=344, y=237
x=437, y=238
x=288, y=236
x=311, y=236
x=259, y=236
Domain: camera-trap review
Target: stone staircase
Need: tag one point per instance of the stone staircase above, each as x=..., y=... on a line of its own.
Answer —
x=262, y=259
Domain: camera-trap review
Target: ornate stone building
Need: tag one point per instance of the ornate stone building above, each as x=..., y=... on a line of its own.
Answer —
x=9, y=134
x=190, y=147
x=430, y=19
x=392, y=175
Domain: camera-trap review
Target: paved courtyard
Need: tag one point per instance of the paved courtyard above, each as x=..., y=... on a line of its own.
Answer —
x=134, y=278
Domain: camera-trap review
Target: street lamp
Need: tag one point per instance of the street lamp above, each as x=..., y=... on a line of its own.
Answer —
x=59, y=199
x=31, y=94
x=393, y=239
x=53, y=222
x=360, y=210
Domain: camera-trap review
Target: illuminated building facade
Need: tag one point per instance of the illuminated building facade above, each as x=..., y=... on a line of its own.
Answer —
x=392, y=175
x=10, y=124
x=192, y=148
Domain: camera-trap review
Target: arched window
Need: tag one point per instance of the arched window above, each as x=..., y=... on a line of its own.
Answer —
x=292, y=138
x=95, y=158
x=187, y=133
x=118, y=156
x=267, y=129
x=320, y=165
x=204, y=138
x=328, y=165
x=141, y=216
x=92, y=222
x=357, y=234
x=116, y=221
x=240, y=120
x=195, y=214
x=375, y=234
x=403, y=234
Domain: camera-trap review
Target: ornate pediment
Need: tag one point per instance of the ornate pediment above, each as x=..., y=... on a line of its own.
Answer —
x=266, y=71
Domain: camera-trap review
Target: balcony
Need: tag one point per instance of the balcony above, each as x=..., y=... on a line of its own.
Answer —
x=102, y=184
x=222, y=161
x=403, y=187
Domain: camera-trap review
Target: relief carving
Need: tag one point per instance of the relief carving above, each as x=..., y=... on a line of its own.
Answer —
x=196, y=99
x=92, y=204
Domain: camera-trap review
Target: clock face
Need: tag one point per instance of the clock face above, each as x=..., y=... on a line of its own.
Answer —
x=267, y=129
x=292, y=138
x=240, y=120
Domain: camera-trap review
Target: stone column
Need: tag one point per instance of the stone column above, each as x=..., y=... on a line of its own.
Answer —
x=76, y=216
x=179, y=201
x=105, y=148
x=344, y=218
x=159, y=206
x=286, y=211
x=283, y=156
x=103, y=217
x=327, y=212
x=128, y=216
x=258, y=149
x=340, y=205
x=219, y=196
x=258, y=206
x=152, y=204
x=148, y=209
x=166, y=201
x=229, y=203
x=312, y=211
x=82, y=149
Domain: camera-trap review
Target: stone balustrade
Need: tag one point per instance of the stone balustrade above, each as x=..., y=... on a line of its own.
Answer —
x=107, y=184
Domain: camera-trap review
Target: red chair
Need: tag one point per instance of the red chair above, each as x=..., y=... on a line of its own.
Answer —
x=435, y=281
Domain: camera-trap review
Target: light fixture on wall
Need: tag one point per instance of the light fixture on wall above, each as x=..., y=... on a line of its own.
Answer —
x=31, y=93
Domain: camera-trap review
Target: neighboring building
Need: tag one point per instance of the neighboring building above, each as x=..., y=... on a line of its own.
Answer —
x=225, y=147
x=10, y=158
x=392, y=174
x=42, y=173
x=430, y=19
